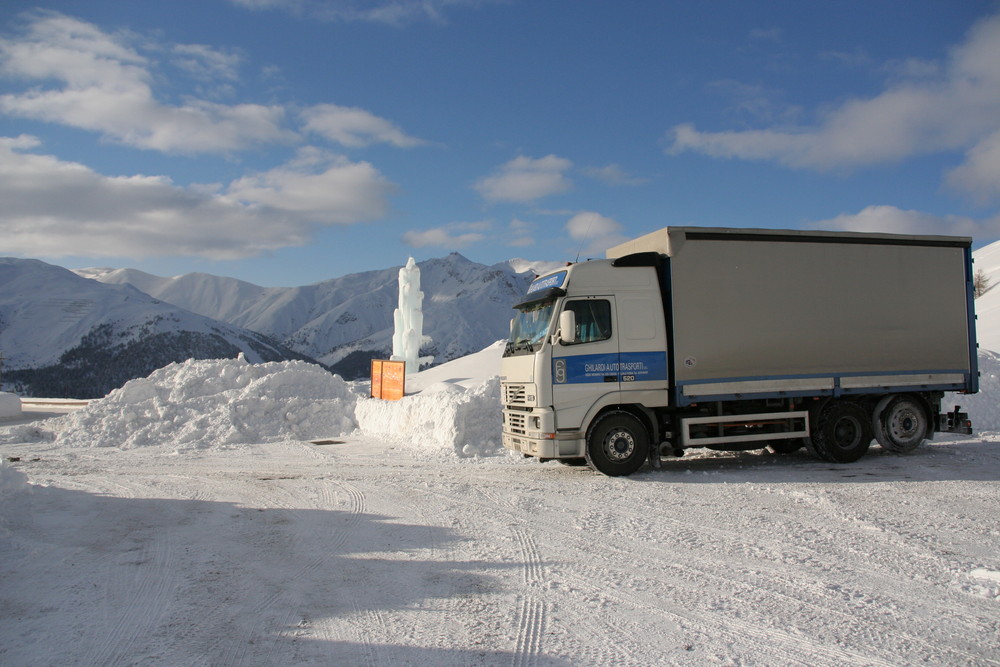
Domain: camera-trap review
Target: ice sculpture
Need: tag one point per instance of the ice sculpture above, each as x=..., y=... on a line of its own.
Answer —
x=409, y=320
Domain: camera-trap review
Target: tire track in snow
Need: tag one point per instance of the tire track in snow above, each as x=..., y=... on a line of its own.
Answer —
x=531, y=611
x=276, y=613
x=753, y=641
x=863, y=608
x=610, y=544
x=530, y=629
x=140, y=586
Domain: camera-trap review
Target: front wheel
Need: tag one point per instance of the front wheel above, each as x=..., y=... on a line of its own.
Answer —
x=617, y=444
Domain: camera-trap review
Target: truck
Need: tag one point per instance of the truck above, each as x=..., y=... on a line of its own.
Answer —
x=740, y=339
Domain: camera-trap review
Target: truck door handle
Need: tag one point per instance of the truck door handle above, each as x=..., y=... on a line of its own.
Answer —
x=611, y=378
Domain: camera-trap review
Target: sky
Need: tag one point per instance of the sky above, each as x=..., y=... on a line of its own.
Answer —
x=286, y=142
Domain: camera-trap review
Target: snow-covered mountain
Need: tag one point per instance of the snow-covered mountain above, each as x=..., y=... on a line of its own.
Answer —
x=344, y=321
x=64, y=335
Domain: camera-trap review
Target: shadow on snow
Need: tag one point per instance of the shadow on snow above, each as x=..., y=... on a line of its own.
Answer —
x=93, y=579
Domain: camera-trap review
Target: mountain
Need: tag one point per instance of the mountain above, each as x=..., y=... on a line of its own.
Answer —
x=62, y=335
x=345, y=321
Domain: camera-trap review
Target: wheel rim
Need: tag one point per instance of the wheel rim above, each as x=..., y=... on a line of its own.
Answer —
x=905, y=424
x=846, y=433
x=619, y=445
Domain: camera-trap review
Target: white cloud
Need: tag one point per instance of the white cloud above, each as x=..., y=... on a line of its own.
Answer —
x=206, y=63
x=318, y=187
x=595, y=232
x=104, y=85
x=355, y=127
x=959, y=109
x=520, y=233
x=524, y=179
x=455, y=235
x=980, y=174
x=393, y=12
x=53, y=208
x=892, y=220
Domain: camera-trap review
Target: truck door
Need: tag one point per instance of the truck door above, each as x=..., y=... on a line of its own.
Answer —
x=585, y=371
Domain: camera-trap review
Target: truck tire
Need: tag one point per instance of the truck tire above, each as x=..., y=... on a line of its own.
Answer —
x=843, y=432
x=902, y=425
x=617, y=444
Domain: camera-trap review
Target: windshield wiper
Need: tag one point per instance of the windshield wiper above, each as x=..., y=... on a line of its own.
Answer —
x=522, y=343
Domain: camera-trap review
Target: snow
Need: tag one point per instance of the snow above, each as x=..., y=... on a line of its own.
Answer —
x=987, y=260
x=187, y=519
x=11, y=480
x=10, y=405
x=214, y=403
x=443, y=419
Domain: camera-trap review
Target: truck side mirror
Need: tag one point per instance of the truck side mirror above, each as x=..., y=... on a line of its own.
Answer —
x=511, y=325
x=567, y=326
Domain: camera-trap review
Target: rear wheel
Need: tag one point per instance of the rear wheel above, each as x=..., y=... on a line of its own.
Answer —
x=843, y=432
x=617, y=444
x=902, y=425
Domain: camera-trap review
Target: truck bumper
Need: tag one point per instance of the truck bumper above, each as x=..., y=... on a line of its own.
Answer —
x=561, y=447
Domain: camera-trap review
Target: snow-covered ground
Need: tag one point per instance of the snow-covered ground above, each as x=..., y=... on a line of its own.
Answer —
x=187, y=519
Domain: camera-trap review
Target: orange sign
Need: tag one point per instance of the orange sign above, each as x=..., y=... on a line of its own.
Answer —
x=388, y=379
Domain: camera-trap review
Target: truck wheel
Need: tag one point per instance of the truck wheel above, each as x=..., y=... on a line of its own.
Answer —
x=843, y=432
x=902, y=425
x=617, y=444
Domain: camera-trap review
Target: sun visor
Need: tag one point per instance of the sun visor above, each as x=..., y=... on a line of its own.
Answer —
x=541, y=295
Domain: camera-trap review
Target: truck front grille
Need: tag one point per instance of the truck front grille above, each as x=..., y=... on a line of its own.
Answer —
x=516, y=423
x=515, y=394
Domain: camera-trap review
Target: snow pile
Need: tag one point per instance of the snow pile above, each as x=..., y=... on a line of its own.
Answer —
x=10, y=405
x=983, y=408
x=11, y=480
x=442, y=419
x=201, y=404
x=225, y=402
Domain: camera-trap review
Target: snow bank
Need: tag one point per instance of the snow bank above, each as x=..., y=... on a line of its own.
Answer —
x=442, y=419
x=200, y=404
x=225, y=402
x=10, y=405
x=983, y=408
x=11, y=481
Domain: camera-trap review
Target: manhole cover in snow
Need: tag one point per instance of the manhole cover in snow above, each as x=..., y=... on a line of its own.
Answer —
x=327, y=442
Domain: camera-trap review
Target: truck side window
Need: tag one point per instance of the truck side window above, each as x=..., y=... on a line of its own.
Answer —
x=593, y=320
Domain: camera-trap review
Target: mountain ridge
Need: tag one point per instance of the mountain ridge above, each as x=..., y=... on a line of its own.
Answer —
x=466, y=306
x=63, y=335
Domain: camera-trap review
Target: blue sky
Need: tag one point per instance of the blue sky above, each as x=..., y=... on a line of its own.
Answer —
x=285, y=142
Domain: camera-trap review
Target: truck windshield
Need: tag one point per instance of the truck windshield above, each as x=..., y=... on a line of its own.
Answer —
x=530, y=326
